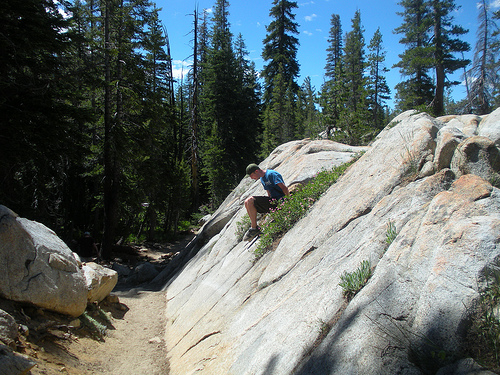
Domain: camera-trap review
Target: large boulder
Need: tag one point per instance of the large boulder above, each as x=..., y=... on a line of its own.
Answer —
x=488, y=127
x=285, y=313
x=100, y=281
x=38, y=267
x=477, y=155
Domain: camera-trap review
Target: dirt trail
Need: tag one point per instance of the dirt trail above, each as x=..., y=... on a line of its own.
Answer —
x=134, y=346
x=134, y=343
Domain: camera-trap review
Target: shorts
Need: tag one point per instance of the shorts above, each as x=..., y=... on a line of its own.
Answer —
x=264, y=204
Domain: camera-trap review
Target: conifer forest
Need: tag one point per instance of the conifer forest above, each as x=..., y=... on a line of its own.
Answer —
x=96, y=134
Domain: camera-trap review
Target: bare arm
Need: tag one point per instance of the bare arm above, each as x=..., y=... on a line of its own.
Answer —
x=284, y=188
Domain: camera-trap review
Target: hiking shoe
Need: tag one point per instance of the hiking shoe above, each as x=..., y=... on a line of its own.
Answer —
x=251, y=233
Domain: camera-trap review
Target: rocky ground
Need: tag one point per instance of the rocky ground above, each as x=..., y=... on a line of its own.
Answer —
x=122, y=335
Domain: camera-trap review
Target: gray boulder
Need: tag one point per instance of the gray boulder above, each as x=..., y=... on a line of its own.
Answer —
x=38, y=267
x=144, y=272
x=100, y=281
x=8, y=329
x=477, y=155
x=488, y=127
x=286, y=313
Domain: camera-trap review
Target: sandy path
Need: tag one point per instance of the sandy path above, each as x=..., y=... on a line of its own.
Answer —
x=135, y=347
x=137, y=344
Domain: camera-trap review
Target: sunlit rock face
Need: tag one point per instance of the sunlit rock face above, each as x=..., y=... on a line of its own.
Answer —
x=432, y=179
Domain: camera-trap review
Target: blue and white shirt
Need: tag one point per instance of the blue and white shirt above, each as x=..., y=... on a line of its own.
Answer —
x=270, y=182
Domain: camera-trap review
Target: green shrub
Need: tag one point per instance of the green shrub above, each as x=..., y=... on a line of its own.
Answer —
x=183, y=225
x=391, y=233
x=95, y=327
x=352, y=282
x=291, y=209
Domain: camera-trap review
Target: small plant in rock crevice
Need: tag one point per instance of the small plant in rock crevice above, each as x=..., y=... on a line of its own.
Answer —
x=291, y=209
x=391, y=233
x=495, y=180
x=242, y=226
x=353, y=282
x=410, y=157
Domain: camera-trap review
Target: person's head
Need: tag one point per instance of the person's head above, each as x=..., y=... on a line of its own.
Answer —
x=254, y=172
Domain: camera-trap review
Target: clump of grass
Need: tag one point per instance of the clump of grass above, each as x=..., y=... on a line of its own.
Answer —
x=291, y=209
x=242, y=226
x=391, y=233
x=324, y=328
x=353, y=282
x=495, y=180
x=96, y=328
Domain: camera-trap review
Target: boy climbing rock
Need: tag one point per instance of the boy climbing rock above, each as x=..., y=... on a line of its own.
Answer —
x=275, y=188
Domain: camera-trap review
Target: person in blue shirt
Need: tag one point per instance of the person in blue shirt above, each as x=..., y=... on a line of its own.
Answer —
x=276, y=189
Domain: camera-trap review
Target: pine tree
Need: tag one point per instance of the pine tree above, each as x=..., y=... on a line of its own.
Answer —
x=444, y=45
x=280, y=46
x=194, y=119
x=416, y=61
x=378, y=90
x=354, y=115
x=308, y=116
x=277, y=121
x=331, y=99
x=230, y=109
x=248, y=110
x=39, y=135
x=280, y=53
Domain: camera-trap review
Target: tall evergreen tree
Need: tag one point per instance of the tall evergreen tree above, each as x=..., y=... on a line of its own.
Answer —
x=445, y=44
x=248, y=110
x=280, y=47
x=378, y=90
x=229, y=110
x=282, y=68
x=416, y=61
x=279, y=115
x=331, y=98
x=354, y=115
x=194, y=119
x=158, y=142
x=308, y=115
x=39, y=122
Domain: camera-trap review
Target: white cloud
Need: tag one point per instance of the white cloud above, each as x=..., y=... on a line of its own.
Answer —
x=180, y=68
x=308, y=33
x=311, y=17
x=495, y=4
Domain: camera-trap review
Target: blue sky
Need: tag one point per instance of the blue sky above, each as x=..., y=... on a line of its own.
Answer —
x=250, y=18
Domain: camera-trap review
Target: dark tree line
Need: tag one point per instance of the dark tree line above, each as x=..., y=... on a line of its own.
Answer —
x=97, y=135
